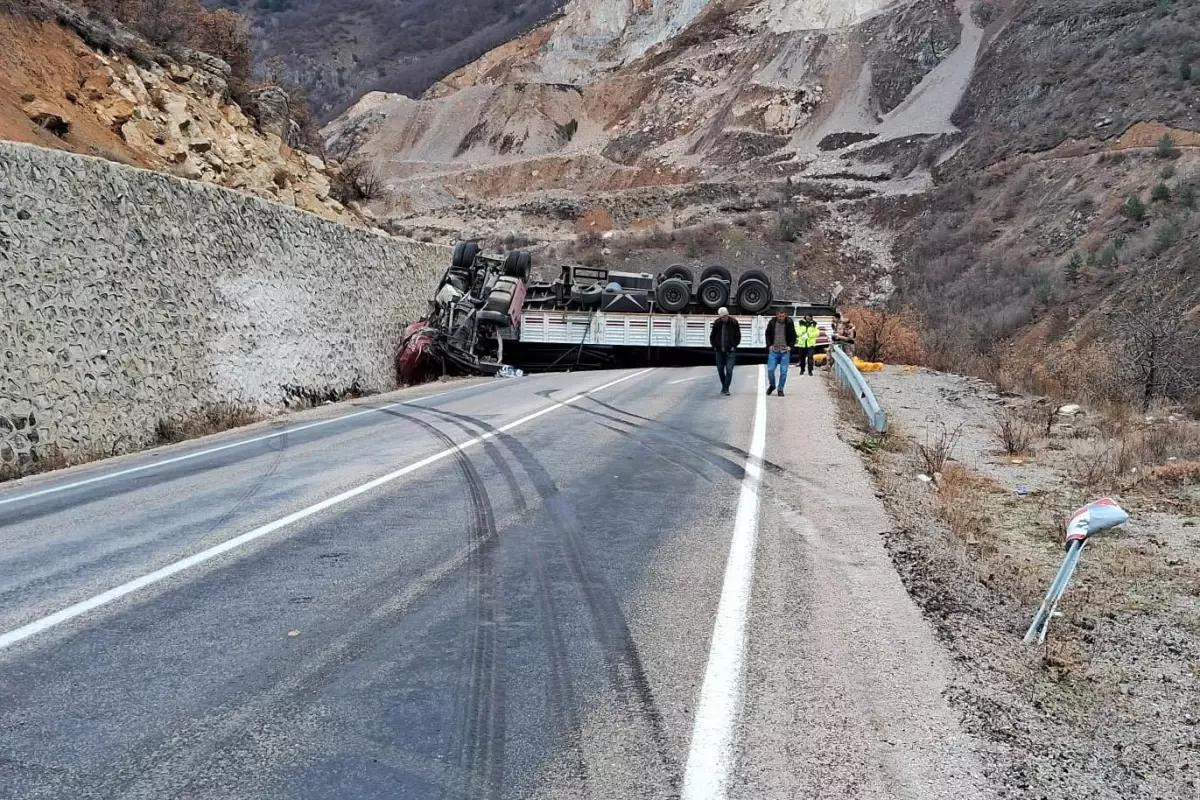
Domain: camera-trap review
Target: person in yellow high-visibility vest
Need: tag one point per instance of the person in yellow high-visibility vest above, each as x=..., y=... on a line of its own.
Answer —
x=806, y=341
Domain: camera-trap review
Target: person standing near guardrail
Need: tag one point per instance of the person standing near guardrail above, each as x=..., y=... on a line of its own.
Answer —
x=781, y=338
x=725, y=337
x=807, y=332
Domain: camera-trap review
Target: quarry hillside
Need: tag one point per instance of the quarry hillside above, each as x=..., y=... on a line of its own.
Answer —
x=970, y=160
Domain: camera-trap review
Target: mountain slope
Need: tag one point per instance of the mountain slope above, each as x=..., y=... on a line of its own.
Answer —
x=339, y=50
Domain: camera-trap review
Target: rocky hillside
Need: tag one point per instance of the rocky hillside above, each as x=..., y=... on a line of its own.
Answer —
x=966, y=153
x=116, y=97
x=338, y=50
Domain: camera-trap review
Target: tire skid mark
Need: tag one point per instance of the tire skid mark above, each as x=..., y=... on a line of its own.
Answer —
x=683, y=465
x=729, y=467
x=214, y=732
x=619, y=651
x=481, y=730
x=744, y=455
x=561, y=692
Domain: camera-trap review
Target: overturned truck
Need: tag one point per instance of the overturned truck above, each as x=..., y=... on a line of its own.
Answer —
x=488, y=315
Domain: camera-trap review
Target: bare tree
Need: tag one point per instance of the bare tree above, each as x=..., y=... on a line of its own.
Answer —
x=1161, y=341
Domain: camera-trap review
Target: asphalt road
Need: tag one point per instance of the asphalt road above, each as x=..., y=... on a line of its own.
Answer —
x=602, y=585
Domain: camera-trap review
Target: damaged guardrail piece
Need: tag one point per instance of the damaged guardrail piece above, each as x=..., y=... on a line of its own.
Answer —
x=1096, y=516
x=852, y=379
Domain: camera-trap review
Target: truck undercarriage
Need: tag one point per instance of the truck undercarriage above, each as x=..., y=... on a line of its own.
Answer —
x=488, y=317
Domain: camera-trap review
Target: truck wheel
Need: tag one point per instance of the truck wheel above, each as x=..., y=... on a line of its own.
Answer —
x=718, y=271
x=465, y=257
x=673, y=295
x=753, y=295
x=591, y=295
x=713, y=292
x=517, y=264
x=756, y=275
x=678, y=271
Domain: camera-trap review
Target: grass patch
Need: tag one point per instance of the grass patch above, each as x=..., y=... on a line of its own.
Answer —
x=214, y=419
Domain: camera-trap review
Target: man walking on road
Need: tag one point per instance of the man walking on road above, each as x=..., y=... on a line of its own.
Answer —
x=806, y=339
x=781, y=338
x=726, y=335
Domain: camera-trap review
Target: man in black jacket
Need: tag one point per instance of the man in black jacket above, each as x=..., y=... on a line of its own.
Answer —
x=781, y=338
x=726, y=335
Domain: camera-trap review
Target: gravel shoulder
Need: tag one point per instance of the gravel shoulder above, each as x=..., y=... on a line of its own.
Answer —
x=1107, y=708
x=846, y=681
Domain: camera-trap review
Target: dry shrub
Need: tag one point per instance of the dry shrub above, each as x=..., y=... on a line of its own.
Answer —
x=958, y=504
x=214, y=419
x=883, y=335
x=938, y=447
x=358, y=181
x=1014, y=431
x=1177, y=472
x=220, y=32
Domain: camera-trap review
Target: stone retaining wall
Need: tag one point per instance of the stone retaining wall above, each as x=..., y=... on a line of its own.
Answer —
x=131, y=297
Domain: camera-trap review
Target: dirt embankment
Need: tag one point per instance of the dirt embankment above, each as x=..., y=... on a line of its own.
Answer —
x=57, y=92
x=1106, y=708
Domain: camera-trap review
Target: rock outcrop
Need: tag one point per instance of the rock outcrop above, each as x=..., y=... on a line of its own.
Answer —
x=136, y=105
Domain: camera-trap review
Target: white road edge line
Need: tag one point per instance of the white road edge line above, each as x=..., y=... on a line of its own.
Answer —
x=78, y=609
x=685, y=380
x=714, y=740
x=208, y=451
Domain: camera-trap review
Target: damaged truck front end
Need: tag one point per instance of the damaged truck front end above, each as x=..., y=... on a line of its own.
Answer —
x=475, y=307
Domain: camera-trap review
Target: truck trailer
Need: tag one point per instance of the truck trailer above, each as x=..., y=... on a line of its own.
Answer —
x=487, y=314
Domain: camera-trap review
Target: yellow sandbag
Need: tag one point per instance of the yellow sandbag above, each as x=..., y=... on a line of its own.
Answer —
x=819, y=358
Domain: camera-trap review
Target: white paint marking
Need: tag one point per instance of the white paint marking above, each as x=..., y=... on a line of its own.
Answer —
x=685, y=380
x=83, y=607
x=714, y=740
x=208, y=451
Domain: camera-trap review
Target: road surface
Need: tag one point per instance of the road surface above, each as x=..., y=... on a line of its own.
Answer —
x=600, y=585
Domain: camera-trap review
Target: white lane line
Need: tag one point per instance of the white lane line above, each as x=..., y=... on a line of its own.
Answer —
x=208, y=451
x=83, y=607
x=714, y=739
x=685, y=380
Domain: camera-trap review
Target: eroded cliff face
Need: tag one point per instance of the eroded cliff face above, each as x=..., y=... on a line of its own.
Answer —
x=168, y=114
x=666, y=93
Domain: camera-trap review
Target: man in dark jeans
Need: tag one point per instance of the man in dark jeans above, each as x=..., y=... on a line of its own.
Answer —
x=726, y=335
x=781, y=338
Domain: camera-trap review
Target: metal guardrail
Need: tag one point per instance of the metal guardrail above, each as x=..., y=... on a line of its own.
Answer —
x=852, y=379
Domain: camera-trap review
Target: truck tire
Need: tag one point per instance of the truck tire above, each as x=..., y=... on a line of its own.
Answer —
x=673, y=295
x=713, y=292
x=756, y=275
x=717, y=271
x=591, y=296
x=753, y=295
x=464, y=254
x=678, y=271
x=518, y=264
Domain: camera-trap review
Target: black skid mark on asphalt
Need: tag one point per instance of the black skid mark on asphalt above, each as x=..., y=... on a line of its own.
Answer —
x=561, y=702
x=731, y=468
x=683, y=465
x=769, y=466
x=627, y=673
x=489, y=446
x=480, y=740
x=222, y=737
